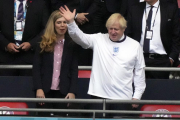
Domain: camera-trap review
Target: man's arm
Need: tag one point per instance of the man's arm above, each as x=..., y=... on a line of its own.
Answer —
x=85, y=40
x=37, y=83
x=139, y=82
x=93, y=8
x=5, y=29
x=81, y=18
x=139, y=75
x=44, y=17
x=4, y=42
x=175, y=34
x=74, y=70
x=88, y=14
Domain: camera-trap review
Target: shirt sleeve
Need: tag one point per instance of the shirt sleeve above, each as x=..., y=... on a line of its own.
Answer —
x=84, y=40
x=139, y=75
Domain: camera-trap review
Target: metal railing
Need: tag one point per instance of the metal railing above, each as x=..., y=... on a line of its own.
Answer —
x=102, y=101
x=90, y=67
x=95, y=101
x=58, y=100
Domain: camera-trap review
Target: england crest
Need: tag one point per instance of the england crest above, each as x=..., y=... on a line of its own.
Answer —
x=115, y=49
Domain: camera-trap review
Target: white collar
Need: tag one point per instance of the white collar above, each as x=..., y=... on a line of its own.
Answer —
x=155, y=5
x=122, y=37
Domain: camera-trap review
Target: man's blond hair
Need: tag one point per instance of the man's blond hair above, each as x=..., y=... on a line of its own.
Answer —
x=114, y=18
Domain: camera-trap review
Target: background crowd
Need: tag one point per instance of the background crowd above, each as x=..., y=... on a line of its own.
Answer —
x=33, y=32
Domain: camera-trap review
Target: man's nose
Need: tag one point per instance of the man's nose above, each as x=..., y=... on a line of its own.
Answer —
x=113, y=31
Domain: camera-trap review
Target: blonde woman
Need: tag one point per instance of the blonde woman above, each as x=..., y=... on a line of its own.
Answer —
x=55, y=68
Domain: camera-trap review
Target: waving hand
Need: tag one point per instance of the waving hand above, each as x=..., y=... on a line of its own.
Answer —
x=67, y=14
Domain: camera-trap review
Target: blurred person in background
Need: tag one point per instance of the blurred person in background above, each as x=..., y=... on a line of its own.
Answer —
x=155, y=24
x=55, y=4
x=127, y=5
x=106, y=9
x=21, y=25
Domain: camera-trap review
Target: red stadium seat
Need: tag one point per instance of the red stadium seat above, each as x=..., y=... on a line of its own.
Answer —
x=161, y=108
x=13, y=105
x=84, y=73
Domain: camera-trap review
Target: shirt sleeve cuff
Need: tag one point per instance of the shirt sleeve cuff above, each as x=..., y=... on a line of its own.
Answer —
x=76, y=16
x=171, y=59
x=71, y=27
x=137, y=96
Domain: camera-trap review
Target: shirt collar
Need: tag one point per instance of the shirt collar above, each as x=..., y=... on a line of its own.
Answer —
x=121, y=39
x=58, y=41
x=19, y=1
x=155, y=5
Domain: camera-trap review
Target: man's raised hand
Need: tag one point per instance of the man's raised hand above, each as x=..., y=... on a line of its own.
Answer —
x=67, y=14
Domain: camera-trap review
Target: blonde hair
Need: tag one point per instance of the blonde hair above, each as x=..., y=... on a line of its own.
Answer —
x=49, y=37
x=114, y=18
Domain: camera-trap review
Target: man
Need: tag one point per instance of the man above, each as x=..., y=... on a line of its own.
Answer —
x=155, y=24
x=21, y=25
x=127, y=4
x=171, y=1
x=117, y=60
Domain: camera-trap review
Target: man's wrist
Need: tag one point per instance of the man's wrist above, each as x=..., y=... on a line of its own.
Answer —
x=171, y=59
x=76, y=16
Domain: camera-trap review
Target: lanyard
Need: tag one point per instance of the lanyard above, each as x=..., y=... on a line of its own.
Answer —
x=24, y=13
x=154, y=18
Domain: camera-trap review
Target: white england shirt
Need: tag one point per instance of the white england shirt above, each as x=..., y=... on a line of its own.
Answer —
x=115, y=65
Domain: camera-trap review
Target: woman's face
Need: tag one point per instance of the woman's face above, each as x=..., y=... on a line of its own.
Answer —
x=60, y=26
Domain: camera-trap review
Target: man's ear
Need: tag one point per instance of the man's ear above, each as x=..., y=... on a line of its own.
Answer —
x=123, y=29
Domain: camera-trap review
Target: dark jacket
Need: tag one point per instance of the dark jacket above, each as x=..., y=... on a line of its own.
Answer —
x=43, y=68
x=36, y=18
x=169, y=30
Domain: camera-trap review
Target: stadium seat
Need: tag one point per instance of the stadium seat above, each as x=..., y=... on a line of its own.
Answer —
x=161, y=108
x=13, y=105
x=84, y=73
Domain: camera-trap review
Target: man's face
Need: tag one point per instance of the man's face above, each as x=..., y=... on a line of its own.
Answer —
x=115, y=31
